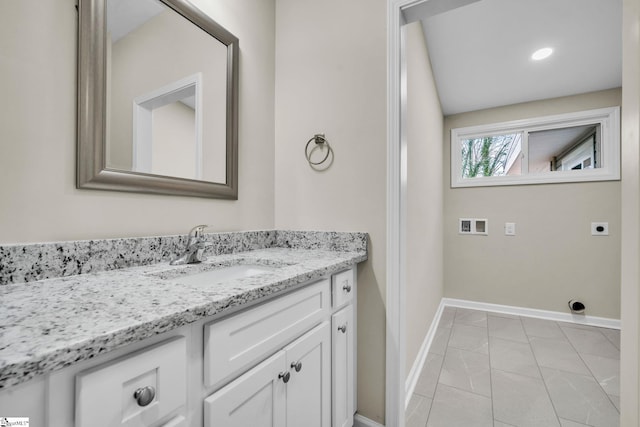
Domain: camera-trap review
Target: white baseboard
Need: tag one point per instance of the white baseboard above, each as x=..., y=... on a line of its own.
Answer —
x=418, y=363
x=360, y=421
x=602, y=322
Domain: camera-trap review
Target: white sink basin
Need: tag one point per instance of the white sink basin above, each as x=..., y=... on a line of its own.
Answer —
x=224, y=274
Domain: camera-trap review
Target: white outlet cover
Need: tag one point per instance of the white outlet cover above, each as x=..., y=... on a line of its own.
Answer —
x=509, y=228
x=475, y=226
x=595, y=228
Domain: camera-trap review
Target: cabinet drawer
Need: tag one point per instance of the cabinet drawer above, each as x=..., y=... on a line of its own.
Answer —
x=343, y=288
x=105, y=394
x=234, y=344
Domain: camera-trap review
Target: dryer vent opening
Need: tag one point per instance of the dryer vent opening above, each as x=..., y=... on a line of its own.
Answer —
x=576, y=306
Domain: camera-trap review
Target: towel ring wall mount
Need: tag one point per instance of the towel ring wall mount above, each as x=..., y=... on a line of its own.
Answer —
x=320, y=143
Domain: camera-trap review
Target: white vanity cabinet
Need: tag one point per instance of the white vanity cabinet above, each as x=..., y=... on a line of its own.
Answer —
x=309, y=382
x=291, y=388
x=286, y=362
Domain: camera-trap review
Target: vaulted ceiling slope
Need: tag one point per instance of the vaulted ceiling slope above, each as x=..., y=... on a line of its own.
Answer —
x=481, y=50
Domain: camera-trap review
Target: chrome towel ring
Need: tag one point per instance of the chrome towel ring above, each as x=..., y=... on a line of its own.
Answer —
x=321, y=143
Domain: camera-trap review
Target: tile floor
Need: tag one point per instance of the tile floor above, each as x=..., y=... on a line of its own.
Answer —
x=498, y=370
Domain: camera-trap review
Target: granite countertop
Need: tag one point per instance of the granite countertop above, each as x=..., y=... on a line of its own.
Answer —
x=49, y=324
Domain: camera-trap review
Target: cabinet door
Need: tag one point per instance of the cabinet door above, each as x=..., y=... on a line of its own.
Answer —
x=256, y=399
x=342, y=330
x=309, y=389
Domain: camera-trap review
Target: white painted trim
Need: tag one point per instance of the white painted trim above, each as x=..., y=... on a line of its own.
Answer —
x=360, y=421
x=418, y=364
x=608, y=118
x=143, y=106
x=557, y=316
x=394, y=390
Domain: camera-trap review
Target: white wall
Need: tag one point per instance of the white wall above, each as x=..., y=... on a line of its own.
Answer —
x=630, y=274
x=553, y=257
x=174, y=126
x=331, y=78
x=424, y=286
x=39, y=201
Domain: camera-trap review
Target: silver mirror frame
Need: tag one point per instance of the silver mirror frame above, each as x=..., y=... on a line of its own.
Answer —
x=92, y=171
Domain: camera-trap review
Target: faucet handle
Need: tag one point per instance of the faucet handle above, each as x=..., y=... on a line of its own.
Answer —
x=197, y=230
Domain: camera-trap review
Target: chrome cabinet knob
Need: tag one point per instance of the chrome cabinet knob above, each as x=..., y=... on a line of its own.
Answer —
x=297, y=366
x=144, y=395
x=347, y=287
x=284, y=376
x=343, y=329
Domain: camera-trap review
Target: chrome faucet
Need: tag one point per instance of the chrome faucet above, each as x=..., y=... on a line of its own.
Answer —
x=195, y=247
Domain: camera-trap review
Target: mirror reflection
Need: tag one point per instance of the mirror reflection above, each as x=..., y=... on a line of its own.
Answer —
x=166, y=103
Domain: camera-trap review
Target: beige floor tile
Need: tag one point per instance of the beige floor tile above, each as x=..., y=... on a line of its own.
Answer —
x=509, y=329
x=557, y=353
x=588, y=341
x=579, y=398
x=569, y=423
x=508, y=316
x=472, y=338
x=466, y=316
x=417, y=411
x=541, y=328
x=484, y=369
x=466, y=370
x=426, y=385
x=511, y=356
x=606, y=371
x=457, y=408
x=440, y=341
x=446, y=319
x=522, y=401
x=612, y=335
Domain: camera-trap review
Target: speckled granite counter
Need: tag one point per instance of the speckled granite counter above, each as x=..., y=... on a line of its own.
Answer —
x=50, y=324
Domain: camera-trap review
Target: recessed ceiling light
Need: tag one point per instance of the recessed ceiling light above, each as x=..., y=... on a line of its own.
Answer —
x=543, y=53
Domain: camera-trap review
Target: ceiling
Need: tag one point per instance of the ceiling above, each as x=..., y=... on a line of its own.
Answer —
x=480, y=50
x=124, y=16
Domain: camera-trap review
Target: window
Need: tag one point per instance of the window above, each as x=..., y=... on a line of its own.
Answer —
x=582, y=146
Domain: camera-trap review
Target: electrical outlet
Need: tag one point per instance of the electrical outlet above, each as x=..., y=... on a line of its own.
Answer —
x=473, y=226
x=509, y=228
x=599, y=228
x=465, y=226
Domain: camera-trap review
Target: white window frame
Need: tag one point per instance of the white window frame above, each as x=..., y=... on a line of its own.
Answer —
x=608, y=118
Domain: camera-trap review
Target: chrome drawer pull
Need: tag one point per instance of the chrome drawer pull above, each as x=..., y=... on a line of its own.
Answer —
x=297, y=366
x=343, y=329
x=347, y=287
x=144, y=395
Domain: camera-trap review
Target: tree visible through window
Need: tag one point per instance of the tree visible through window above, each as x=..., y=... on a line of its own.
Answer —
x=490, y=155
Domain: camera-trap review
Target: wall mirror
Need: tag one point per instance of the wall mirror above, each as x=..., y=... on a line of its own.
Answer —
x=157, y=99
